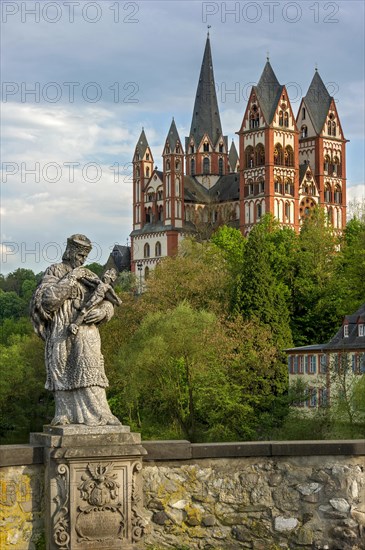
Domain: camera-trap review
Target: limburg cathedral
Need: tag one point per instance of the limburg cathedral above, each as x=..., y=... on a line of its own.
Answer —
x=285, y=165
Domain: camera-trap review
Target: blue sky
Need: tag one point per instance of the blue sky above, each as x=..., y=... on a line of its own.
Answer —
x=100, y=71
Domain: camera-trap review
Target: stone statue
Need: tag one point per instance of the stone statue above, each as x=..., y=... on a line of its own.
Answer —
x=67, y=307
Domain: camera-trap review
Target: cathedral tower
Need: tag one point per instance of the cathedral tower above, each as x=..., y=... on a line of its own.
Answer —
x=268, y=151
x=206, y=147
x=322, y=147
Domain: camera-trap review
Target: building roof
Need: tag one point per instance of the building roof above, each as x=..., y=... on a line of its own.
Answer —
x=317, y=102
x=353, y=340
x=142, y=144
x=226, y=188
x=206, y=119
x=268, y=92
x=339, y=342
x=173, y=136
x=233, y=157
x=120, y=258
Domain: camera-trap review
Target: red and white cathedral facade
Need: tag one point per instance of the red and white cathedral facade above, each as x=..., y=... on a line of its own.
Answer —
x=286, y=165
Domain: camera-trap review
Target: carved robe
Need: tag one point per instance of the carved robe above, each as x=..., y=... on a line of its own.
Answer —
x=74, y=362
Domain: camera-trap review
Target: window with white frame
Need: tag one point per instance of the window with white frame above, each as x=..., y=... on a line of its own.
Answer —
x=345, y=331
x=360, y=329
x=312, y=364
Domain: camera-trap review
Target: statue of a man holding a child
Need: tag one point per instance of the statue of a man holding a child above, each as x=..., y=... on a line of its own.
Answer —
x=67, y=307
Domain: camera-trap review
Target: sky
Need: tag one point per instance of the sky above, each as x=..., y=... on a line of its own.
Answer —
x=80, y=79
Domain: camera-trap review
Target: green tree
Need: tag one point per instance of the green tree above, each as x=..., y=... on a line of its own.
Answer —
x=260, y=293
x=198, y=377
x=316, y=292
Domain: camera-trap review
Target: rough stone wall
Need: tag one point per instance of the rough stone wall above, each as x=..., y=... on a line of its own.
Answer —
x=257, y=503
x=22, y=507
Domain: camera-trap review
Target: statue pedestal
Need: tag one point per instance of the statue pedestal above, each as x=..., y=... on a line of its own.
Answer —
x=93, y=487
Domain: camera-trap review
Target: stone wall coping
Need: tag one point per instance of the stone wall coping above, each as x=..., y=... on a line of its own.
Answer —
x=23, y=455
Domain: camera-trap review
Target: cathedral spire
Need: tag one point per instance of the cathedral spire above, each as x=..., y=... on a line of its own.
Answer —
x=206, y=119
x=268, y=91
x=142, y=144
x=173, y=136
x=317, y=101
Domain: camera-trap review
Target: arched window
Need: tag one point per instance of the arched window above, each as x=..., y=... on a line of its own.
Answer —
x=287, y=211
x=220, y=167
x=278, y=155
x=259, y=155
x=192, y=167
x=138, y=171
x=303, y=113
x=146, y=250
x=249, y=157
x=177, y=186
x=147, y=172
x=278, y=186
x=148, y=156
x=206, y=147
x=333, y=128
x=168, y=165
x=304, y=131
x=237, y=211
x=289, y=156
x=177, y=165
x=327, y=192
x=326, y=163
x=177, y=150
x=281, y=118
x=160, y=194
x=289, y=189
x=286, y=119
x=258, y=211
x=337, y=195
x=221, y=147
x=336, y=167
x=261, y=183
x=192, y=149
x=206, y=165
x=160, y=213
x=158, y=249
x=146, y=272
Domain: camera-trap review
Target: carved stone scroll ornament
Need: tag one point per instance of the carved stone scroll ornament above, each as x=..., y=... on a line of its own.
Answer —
x=138, y=523
x=61, y=517
x=102, y=518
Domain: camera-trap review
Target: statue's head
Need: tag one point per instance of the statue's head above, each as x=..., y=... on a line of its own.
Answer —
x=77, y=250
x=110, y=276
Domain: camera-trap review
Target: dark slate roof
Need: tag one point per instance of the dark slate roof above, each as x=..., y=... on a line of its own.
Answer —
x=120, y=258
x=353, y=340
x=232, y=157
x=226, y=188
x=173, y=136
x=206, y=119
x=302, y=172
x=159, y=173
x=317, y=102
x=195, y=191
x=142, y=144
x=268, y=92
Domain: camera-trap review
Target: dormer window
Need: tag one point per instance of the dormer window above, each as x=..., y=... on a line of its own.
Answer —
x=361, y=329
x=345, y=331
x=206, y=147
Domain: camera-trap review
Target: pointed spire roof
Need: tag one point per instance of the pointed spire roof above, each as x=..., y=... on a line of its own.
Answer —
x=206, y=119
x=173, y=136
x=268, y=91
x=142, y=144
x=318, y=102
x=233, y=157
